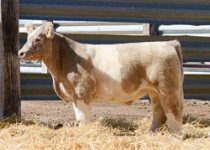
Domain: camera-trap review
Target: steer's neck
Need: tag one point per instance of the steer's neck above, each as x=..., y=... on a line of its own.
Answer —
x=64, y=57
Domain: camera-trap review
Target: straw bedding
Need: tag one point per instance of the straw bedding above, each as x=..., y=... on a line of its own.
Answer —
x=102, y=134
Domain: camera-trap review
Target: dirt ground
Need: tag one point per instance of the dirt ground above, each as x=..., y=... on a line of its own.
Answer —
x=59, y=112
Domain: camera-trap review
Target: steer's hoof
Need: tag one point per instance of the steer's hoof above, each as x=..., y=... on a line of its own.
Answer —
x=58, y=126
x=75, y=124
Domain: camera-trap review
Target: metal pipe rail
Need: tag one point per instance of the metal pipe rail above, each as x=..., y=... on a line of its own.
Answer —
x=195, y=12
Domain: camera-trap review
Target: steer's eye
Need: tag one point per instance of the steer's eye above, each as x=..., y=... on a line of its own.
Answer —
x=37, y=40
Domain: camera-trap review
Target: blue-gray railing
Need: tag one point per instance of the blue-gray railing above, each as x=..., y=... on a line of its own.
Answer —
x=150, y=11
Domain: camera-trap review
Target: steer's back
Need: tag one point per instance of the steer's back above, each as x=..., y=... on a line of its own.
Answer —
x=126, y=72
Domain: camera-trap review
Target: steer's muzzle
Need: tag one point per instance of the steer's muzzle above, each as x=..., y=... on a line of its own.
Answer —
x=22, y=54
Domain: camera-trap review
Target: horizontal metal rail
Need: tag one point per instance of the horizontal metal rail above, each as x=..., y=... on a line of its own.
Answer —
x=180, y=30
x=151, y=11
x=120, y=28
x=22, y=22
x=98, y=29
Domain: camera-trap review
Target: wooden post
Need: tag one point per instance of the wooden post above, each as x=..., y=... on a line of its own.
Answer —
x=9, y=62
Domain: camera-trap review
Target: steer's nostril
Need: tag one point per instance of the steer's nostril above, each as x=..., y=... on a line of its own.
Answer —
x=21, y=54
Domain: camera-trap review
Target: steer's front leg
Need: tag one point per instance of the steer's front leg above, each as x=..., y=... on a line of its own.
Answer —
x=82, y=111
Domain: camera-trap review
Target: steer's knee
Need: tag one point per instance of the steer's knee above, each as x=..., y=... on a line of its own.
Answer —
x=82, y=111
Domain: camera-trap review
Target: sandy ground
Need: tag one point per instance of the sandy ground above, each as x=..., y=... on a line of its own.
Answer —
x=59, y=112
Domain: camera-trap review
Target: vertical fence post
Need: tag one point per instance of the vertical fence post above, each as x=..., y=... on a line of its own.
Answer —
x=154, y=30
x=9, y=63
x=150, y=29
x=146, y=29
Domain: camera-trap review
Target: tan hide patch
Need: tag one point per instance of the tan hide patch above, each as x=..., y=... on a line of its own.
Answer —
x=83, y=84
x=130, y=78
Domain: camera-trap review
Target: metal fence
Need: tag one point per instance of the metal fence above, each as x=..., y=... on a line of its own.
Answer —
x=134, y=12
x=150, y=11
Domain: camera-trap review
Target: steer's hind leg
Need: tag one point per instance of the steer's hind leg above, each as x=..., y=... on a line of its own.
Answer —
x=173, y=108
x=82, y=111
x=159, y=117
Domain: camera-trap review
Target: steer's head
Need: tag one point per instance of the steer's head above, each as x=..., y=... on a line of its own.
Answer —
x=39, y=42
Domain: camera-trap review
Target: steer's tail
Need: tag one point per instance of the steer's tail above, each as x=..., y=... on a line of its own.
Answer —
x=178, y=48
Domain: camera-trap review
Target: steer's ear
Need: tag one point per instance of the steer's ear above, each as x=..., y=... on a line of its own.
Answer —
x=29, y=27
x=49, y=30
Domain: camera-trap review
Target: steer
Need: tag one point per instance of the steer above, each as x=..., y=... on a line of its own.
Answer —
x=111, y=73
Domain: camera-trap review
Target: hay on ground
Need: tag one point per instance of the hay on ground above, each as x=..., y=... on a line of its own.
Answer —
x=102, y=134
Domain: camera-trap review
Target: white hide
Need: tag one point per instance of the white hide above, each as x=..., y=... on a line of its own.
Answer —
x=82, y=111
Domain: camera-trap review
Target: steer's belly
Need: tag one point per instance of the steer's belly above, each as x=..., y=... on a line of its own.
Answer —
x=113, y=93
x=111, y=79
